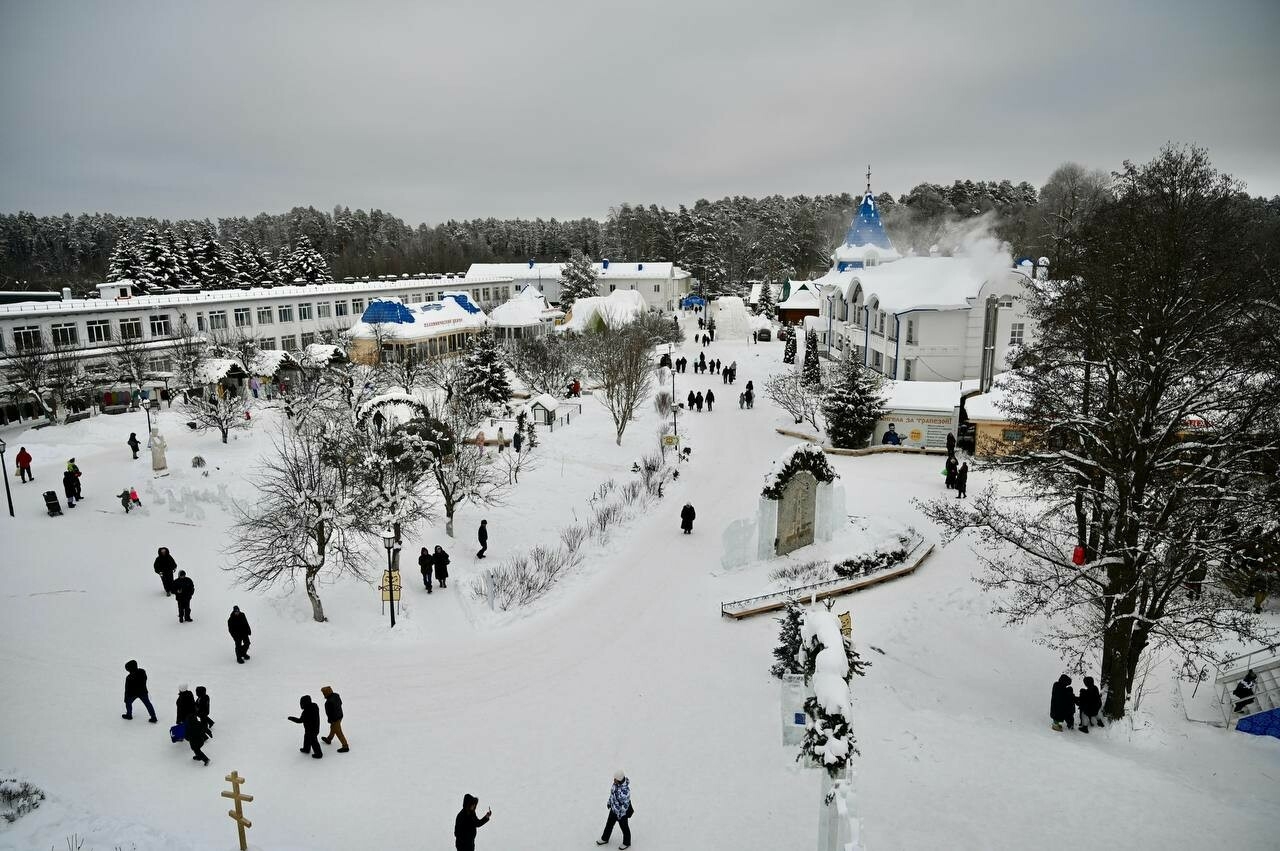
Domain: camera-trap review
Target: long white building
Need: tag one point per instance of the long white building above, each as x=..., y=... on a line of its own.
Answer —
x=661, y=284
x=920, y=318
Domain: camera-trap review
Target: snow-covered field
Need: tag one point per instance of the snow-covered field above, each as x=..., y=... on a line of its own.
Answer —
x=627, y=664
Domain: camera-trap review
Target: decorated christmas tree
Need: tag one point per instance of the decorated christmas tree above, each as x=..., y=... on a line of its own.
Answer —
x=789, y=353
x=852, y=403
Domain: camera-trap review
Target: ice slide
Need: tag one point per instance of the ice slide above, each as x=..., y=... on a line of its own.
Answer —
x=730, y=315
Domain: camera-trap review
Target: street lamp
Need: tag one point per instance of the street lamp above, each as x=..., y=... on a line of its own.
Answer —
x=5, y=465
x=389, y=541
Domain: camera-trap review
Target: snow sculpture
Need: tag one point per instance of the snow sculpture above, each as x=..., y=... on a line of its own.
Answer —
x=159, y=463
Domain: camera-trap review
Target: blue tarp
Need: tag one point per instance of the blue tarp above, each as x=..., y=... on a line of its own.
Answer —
x=1263, y=724
x=693, y=301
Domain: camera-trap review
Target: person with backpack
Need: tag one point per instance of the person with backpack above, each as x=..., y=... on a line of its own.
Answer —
x=482, y=534
x=164, y=566
x=184, y=589
x=134, y=444
x=620, y=810
x=309, y=718
x=1062, y=704
x=467, y=822
x=135, y=688
x=333, y=714
x=441, y=559
x=238, y=627
x=1090, y=703
x=426, y=565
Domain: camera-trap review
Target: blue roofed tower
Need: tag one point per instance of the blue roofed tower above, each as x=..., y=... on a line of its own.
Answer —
x=865, y=243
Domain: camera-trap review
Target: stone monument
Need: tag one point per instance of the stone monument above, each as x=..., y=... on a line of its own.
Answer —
x=796, y=512
x=159, y=464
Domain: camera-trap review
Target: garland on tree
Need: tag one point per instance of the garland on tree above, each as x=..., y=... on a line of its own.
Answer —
x=802, y=456
x=829, y=664
x=812, y=369
x=789, y=353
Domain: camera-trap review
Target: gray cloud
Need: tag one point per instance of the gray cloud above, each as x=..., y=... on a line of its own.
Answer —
x=562, y=108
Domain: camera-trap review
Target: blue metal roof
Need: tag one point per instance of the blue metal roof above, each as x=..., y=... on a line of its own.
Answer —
x=386, y=311
x=866, y=228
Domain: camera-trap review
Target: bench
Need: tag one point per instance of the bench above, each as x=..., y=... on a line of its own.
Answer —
x=44, y=424
x=115, y=409
x=75, y=418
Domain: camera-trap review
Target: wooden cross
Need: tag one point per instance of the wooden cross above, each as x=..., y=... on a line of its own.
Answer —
x=237, y=814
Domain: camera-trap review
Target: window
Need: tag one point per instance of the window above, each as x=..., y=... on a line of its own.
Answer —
x=612, y=287
x=217, y=320
x=304, y=311
x=265, y=316
x=907, y=372
x=285, y=312
x=130, y=329
x=308, y=337
x=99, y=330
x=340, y=308
x=160, y=364
x=268, y=344
x=200, y=320
x=877, y=361
x=289, y=343
x=486, y=294
x=322, y=310
x=27, y=337
x=160, y=325
x=64, y=334
x=892, y=371
x=1015, y=333
x=357, y=305
x=1006, y=301
x=1012, y=435
x=657, y=288
x=243, y=317
x=911, y=332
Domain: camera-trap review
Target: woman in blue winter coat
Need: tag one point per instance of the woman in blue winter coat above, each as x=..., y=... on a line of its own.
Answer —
x=620, y=810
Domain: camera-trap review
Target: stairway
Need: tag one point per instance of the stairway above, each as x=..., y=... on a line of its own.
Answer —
x=1262, y=716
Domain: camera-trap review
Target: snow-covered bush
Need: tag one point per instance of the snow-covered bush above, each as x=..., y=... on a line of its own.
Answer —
x=829, y=664
x=17, y=798
x=573, y=536
x=852, y=403
x=802, y=456
x=872, y=562
x=806, y=573
x=198, y=462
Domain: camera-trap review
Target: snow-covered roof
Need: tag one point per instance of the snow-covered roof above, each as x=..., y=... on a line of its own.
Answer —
x=269, y=361
x=619, y=307
x=319, y=354
x=753, y=297
x=613, y=269
x=528, y=307
x=919, y=283
x=987, y=407
x=546, y=400
x=803, y=296
x=922, y=395
x=213, y=370
x=395, y=320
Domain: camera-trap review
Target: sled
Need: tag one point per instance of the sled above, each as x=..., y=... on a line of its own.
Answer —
x=51, y=503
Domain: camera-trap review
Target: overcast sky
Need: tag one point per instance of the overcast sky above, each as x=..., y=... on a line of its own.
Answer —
x=564, y=108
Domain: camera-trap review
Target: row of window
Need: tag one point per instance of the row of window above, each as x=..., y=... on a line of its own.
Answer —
x=245, y=317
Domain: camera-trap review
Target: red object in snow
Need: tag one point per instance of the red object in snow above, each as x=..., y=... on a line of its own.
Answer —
x=1077, y=556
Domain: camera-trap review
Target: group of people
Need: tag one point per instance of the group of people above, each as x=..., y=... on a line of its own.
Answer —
x=435, y=564
x=747, y=398
x=618, y=807
x=1064, y=702
x=309, y=718
x=697, y=400
x=957, y=474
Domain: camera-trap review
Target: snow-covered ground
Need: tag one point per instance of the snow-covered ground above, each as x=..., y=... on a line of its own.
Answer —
x=627, y=664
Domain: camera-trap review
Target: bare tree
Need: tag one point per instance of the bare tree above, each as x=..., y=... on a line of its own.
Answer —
x=299, y=523
x=546, y=364
x=445, y=373
x=68, y=382
x=464, y=472
x=28, y=373
x=190, y=350
x=618, y=359
x=224, y=413
x=791, y=393
x=239, y=344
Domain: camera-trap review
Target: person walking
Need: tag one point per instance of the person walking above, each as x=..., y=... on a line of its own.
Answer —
x=134, y=444
x=196, y=731
x=962, y=480
x=482, y=534
x=203, y=705
x=333, y=714
x=691, y=400
x=238, y=627
x=23, y=459
x=750, y=386
x=309, y=718
x=697, y=401
x=74, y=469
x=466, y=823
x=517, y=440
x=502, y=440
x=123, y=496
x=1090, y=702
x=620, y=810
x=1062, y=704
x=686, y=518
x=69, y=487
x=724, y=377
x=184, y=589
x=711, y=400
x=135, y=688
x=1244, y=691
x=742, y=400
x=164, y=566
x=185, y=705
x=949, y=469
x=441, y=559
x=425, y=566
x=951, y=444
x=751, y=398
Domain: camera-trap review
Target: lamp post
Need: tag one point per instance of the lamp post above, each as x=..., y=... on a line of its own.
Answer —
x=389, y=541
x=7, y=494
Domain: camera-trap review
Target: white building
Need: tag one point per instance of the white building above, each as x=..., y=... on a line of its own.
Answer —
x=921, y=318
x=390, y=328
x=526, y=314
x=661, y=284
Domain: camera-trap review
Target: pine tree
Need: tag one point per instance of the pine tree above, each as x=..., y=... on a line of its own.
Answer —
x=485, y=371
x=124, y=264
x=158, y=266
x=812, y=368
x=252, y=266
x=217, y=265
x=305, y=263
x=789, y=353
x=852, y=403
x=787, y=654
x=767, y=306
x=578, y=280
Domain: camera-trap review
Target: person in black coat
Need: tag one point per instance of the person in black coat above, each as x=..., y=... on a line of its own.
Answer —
x=203, y=705
x=482, y=535
x=238, y=626
x=962, y=480
x=1244, y=690
x=184, y=589
x=133, y=444
x=309, y=718
x=135, y=688
x=1062, y=704
x=185, y=704
x=951, y=445
x=164, y=566
x=70, y=485
x=467, y=822
x=951, y=470
x=196, y=732
x=697, y=401
x=426, y=565
x=1090, y=702
x=687, y=514
x=691, y=400
x=333, y=714
x=441, y=559
x=711, y=399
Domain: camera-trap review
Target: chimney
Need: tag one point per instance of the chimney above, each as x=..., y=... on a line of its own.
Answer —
x=66, y=293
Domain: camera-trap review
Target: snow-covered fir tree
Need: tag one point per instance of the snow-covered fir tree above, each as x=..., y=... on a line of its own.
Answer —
x=767, y=306
x=217, y=264
x=159, y=266
x=253, y=267
x=485, y=371
x=305, y=263
x=124, y=264
x=578, y=280
x=829, y=664
x=852, y=402
x=812, y=367
x=786, y=656
x=789, y=352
